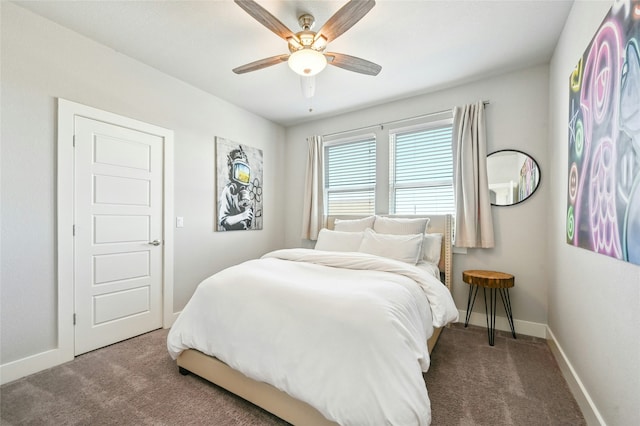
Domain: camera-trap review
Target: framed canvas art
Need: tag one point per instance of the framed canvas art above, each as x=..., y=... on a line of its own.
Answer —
x=603, y=190
x=238, y=186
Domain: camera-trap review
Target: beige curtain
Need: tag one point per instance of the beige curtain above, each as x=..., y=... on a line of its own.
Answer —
x=313, y=210
x=474, y=224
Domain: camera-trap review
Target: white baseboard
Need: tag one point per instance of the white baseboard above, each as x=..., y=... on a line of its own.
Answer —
x=23, y=367
x=588, y=408
x=17, y=369
x=522, y=327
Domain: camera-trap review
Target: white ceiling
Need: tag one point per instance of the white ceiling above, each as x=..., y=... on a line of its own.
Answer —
x=422, y=46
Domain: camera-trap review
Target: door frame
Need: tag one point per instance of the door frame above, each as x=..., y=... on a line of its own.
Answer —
x=67, y=111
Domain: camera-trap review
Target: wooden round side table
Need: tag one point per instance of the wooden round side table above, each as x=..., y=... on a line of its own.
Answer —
x=496, y=282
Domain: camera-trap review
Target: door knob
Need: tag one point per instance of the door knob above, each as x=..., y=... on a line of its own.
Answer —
x=154, y=243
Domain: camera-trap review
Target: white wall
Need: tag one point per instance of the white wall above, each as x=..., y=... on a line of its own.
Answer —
x=594, y=300
x=517, y=119
x=42, y=61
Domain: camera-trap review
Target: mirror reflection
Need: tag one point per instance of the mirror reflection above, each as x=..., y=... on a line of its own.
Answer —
x=513, y=176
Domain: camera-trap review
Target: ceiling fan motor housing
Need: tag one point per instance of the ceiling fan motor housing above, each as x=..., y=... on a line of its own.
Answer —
x=306, y=39
x=306, y=21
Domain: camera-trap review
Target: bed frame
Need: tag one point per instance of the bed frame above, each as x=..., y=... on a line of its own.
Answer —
x=276, y=401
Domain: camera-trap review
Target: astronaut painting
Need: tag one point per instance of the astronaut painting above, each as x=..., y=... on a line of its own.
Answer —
x=239, y=186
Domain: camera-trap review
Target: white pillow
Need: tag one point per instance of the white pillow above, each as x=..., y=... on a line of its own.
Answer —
x=400, y=226
x=406, y=248
x=338, y=241
x=431, y=248
x=353, y=225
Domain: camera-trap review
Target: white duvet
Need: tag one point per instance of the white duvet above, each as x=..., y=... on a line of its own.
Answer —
x=344, y=332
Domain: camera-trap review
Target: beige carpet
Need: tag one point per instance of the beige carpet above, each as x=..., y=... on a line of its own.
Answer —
x=516, y=382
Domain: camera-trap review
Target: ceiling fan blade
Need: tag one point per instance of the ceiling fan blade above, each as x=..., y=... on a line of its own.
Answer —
x=263, y=16
x=351, y=63
x=345, y=18
x=261, y=63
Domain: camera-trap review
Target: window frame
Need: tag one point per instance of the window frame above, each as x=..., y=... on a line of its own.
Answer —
x=341, y=141
x=384, y=191
x=418, y=126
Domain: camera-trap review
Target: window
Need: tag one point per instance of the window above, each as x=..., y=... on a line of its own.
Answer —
x=350, y=176
x=411, y=174
x=421, y=170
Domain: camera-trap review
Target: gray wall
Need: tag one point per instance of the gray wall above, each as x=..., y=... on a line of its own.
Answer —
x=594, y=300
x=590, y=302
x=517, y=119
x=42, y=61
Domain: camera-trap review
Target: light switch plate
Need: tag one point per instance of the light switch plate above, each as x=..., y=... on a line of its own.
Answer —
x=179, y=222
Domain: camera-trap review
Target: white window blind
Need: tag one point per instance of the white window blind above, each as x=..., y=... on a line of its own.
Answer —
x=350, y=177
x=422, y=171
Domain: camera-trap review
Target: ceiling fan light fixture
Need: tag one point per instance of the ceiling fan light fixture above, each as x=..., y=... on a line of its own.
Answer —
x=319, y=43
x=307, y=62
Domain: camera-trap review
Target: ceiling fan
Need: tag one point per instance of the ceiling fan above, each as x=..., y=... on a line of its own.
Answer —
x=307, y=55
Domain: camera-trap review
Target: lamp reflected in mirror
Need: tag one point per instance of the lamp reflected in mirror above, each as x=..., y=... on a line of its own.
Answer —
x=513, y=177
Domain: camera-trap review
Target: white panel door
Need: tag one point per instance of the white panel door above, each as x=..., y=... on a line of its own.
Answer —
x=118, y=233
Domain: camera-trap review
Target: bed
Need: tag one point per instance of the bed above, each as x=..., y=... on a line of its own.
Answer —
x=347, y=347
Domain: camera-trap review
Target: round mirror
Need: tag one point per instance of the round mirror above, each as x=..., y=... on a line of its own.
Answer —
x=513, y=176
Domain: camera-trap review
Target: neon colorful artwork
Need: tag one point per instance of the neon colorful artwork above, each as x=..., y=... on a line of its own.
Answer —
x=603, y=190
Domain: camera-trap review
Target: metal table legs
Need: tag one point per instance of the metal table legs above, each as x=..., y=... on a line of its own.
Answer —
x=490, y=310
x=470, y=302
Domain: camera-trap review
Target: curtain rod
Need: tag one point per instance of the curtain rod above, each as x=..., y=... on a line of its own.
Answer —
x=381, y=125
